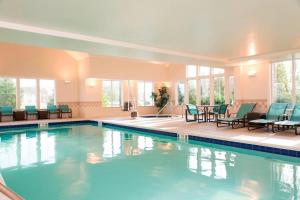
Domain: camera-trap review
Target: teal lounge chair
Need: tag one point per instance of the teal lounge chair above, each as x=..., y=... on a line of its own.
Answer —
x=192, y=110
x=275, y=113
x=293, y=122
x=6, y=111
x=52, y=109
x=64, y=109
x=240, y=116
x=31, y=111
x=217, y=112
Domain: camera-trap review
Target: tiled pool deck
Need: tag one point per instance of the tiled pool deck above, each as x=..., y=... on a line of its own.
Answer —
x=208, y=132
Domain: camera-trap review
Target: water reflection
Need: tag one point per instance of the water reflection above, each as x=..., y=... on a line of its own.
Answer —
x=28, y=148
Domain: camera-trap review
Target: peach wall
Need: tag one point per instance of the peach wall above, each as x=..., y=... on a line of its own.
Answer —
x=126, y=69
x=84, y=94
x=254, y=88
x=33, y=62
x=94, y=69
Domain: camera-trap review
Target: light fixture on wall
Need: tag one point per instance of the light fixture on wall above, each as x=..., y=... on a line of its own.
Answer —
x=252, y=73
x=67, y=81
x=91, y=82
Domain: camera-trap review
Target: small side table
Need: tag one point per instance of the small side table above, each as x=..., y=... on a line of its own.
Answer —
x=42, y=114
x=255, y=115
x=19, y=115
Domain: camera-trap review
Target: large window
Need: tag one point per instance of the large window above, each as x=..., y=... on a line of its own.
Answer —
x=8, y=91
x=191, y=71
x=209, y=83
x=192, y=84
x=180, y=93
x=47, y=93
x=145, y=90
x=28, y=92
x=219, y=90
x=111, y=93
x=204, y=91
x=282, y=82
x=218, y=71
x=204, y=71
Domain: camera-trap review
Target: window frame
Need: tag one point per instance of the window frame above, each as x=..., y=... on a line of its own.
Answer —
x=211, y=76
x=144, y=93
x=17, y=90
x=111, y=105
x=293, y=91
x=39, y=91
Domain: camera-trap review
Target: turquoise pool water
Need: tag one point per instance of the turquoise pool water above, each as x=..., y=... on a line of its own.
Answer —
x=89, y=163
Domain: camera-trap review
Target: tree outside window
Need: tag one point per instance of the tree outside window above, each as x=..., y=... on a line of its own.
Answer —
x=219, y=90
x=282, y=82
x=204, y=92
x=111, y=96
x=8, y=91
x=192, y=91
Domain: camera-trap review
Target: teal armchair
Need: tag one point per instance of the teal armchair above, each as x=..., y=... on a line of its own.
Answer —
x=192, y=110
x=53, y=110
x=30, y=111
x=65, y=109
x=6, y=111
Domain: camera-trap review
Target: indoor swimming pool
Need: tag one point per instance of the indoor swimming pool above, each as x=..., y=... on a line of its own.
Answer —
x=90, y=162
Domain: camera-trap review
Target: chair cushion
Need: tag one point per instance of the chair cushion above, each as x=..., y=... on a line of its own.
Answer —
x=276, y=110
x=64, y=108
x=288, y=123
x=244, y=109
x=6, y=110
x=52, y=108
x=229, y=119
x=192, y=109
x=296, y=113
x=30, y=109
x=262, y=121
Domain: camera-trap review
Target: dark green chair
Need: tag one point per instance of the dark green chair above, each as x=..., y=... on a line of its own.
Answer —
x=217, y=112
x=6, y=111
x=52, y=110
x=64, y=109
x=237, y=118
x=30, y=111
x=192, y=110
x=293, y=122
x=275, y=113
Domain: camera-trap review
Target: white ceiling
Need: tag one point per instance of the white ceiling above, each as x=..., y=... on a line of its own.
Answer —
x=166, y=30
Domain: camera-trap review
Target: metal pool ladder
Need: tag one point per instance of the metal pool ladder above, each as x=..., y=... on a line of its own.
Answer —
x=43, y=124
x=183, y=138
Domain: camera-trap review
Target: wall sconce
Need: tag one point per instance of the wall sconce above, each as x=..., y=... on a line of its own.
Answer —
x=91, y=82
x=167, y=84
x=67, y=81
x=252, y=73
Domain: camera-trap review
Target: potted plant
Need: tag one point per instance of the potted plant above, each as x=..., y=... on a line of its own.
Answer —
x=161, y=98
